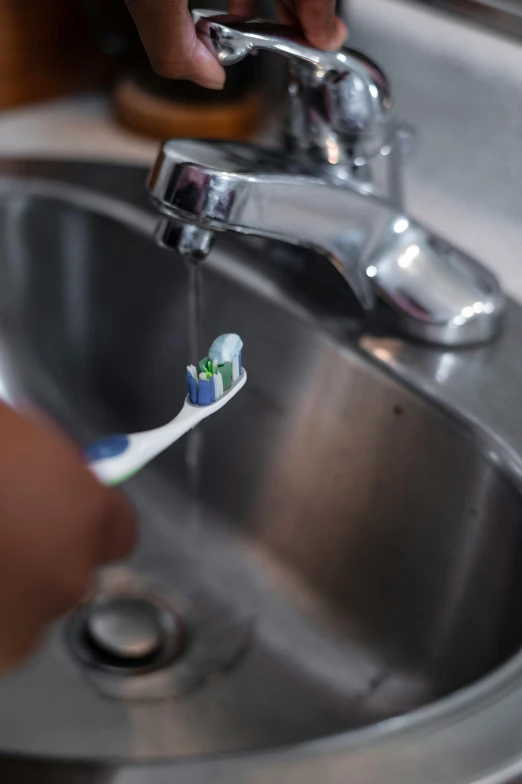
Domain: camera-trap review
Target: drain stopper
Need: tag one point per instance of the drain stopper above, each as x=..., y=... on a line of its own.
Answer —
x=128, y=628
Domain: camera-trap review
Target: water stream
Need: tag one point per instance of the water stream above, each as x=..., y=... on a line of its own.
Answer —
x=194, y=441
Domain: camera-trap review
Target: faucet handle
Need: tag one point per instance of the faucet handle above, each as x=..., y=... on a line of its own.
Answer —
x=337, y=99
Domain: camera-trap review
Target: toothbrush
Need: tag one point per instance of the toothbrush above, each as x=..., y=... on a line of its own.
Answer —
x=116, y=458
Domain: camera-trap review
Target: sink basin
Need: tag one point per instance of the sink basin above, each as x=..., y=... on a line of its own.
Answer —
x=349, y=528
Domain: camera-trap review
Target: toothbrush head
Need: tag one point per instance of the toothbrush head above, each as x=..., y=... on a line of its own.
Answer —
x=219, y=372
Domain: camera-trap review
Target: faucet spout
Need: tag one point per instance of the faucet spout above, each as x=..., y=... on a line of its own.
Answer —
x=430, y=290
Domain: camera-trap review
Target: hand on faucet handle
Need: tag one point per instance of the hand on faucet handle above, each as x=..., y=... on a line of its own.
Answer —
x=167, y=31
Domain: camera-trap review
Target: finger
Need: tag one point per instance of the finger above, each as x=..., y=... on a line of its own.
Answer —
x=205, y=69
x=168, y=34
x=317, y=20
x=286, y=15
x=118, y=528
x=242, y=7
x=66, y=508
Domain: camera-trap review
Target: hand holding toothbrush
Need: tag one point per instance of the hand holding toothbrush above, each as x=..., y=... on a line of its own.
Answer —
x=58, y=525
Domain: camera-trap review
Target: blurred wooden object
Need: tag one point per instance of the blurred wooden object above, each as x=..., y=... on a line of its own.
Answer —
x=46, y=50
x=162, y=117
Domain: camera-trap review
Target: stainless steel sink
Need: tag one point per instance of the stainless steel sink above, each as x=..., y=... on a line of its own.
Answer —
x=345, y=552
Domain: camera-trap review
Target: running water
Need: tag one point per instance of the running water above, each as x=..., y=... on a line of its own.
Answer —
x=194, y=443
x=195, y=310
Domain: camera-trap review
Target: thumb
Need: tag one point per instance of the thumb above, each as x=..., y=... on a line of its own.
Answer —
x=206, y=72
x=168, y=34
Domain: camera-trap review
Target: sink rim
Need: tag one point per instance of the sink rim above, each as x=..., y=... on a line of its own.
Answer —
x=385, y=748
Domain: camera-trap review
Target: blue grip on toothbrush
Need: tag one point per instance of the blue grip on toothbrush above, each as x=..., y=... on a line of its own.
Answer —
x=105, y=448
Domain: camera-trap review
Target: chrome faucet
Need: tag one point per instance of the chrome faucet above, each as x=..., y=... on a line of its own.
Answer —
x=335, y=188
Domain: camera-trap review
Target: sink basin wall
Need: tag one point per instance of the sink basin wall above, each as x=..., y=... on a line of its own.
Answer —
x=366, y=535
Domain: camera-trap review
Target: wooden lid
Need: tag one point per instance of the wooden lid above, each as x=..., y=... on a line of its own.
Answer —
x=164, y=117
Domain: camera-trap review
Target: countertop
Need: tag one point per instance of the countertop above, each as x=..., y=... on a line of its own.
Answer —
x=79, y=127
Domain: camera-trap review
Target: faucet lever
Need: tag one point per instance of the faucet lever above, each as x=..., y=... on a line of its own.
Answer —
x=340, y=102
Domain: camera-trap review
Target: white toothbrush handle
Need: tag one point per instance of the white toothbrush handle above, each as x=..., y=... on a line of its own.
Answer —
x=116, y=458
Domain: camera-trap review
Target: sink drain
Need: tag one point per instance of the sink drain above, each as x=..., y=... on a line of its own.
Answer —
x=128, y=629
x=126, y=634
x=133, y=640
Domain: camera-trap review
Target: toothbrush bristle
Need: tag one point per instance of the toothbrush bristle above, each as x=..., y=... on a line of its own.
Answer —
x=217, y=372
x=218, y=385
x=203, y=390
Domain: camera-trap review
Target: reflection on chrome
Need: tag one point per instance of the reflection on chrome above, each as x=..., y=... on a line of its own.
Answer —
x=400, y=225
